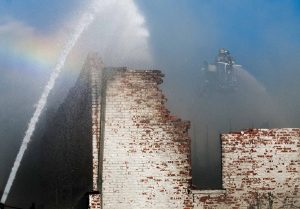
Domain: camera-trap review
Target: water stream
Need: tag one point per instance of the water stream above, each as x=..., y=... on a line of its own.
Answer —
x=86, y=19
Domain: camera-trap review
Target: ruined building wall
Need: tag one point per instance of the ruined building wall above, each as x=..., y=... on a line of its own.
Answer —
x=66, y=148
x=261, y=168
x=114, y=137
x=96, y=69
x=146, y=152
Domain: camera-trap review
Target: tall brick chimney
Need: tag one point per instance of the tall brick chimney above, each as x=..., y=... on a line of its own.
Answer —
x=95, y=67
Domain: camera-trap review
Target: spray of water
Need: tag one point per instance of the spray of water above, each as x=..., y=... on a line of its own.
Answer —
x=84, y=22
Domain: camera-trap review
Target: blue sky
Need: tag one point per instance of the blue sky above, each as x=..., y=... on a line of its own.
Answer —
x=245, y=27
x=263, y=36
x=242, y=26
x=43, y=15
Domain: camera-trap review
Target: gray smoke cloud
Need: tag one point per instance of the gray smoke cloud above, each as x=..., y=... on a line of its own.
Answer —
x=260, y=36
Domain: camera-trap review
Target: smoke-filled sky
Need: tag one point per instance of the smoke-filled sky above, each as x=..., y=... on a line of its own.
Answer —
x=174, y=36
x=264, y=36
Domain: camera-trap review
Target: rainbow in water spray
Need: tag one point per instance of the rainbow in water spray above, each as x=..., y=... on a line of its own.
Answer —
x=84, y=22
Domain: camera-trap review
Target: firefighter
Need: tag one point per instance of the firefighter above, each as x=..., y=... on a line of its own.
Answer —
x=221, y=56
x=228, y=59
x=224, y=56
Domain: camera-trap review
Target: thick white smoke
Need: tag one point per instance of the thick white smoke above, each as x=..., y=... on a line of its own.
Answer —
x=84, y=22
x=119, y=34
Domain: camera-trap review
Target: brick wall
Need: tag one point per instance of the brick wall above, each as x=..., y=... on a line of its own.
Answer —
x=146, y=156
x=94, y=201
x=66, y=149
x=96, y=68
x=261, y=169
x=144, y=153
